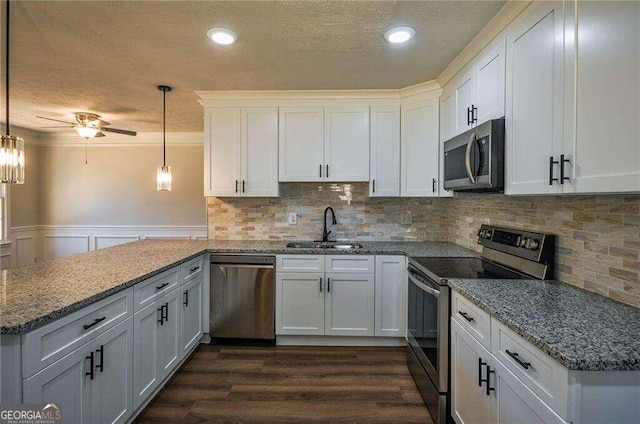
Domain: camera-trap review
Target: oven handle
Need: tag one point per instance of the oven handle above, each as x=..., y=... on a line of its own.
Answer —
x=467, y=158
x=423, y=286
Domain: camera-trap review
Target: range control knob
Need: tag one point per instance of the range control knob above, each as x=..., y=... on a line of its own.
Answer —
x=532, y=244
x=522, y=242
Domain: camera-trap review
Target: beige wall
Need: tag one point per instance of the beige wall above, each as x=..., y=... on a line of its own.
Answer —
x=118, y=186
x=24, y=198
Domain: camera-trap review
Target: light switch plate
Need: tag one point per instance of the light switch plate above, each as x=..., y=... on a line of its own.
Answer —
x=293, y=218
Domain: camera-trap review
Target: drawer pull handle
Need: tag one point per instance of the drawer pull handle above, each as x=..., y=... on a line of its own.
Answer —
x=465, y=316
x=100, y=366
x=161, y=286
x=95, y=322
x=194, y=269
x=516, y=358
x=90, y=372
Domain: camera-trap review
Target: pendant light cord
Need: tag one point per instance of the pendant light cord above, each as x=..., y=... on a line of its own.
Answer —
x=6, y=74
x=164, y=131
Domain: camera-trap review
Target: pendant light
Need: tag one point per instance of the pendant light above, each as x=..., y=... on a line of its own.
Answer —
x=164, y=172
x=11, y=146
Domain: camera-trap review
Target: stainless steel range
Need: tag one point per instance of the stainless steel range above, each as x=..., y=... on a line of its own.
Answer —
x=506, y=254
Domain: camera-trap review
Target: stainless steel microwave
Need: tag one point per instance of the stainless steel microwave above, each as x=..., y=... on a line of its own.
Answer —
x=474, y=160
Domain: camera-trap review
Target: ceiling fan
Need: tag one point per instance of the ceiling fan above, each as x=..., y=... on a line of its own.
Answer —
x=89, y=125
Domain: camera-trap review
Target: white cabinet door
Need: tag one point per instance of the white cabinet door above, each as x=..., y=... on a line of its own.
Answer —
x=147, y=373
x=66, y=384
x=112, y=388
x=349, y=305
x=464, y=102
x=420, y=149
x=390, y=297
x=222, y=152
x=604, y=153
x=534, y=99
x=385, y=151
x=346, y=143
x=301, y=144
x=512, y=402
x=447, y=113
x=170, y=342
x=259, y=152
x=191, y=319
x=469, y=360
x=300, y=303
x=489, y=80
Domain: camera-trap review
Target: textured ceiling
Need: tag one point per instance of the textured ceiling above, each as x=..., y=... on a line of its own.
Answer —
x=108, y=57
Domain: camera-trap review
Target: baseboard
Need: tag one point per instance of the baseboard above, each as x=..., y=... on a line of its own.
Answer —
x=339, y=341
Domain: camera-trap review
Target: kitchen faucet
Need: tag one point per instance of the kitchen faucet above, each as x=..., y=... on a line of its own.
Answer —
x=325, y=233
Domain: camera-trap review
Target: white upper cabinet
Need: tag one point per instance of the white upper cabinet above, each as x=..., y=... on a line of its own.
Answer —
x=346, y=144
x=489, y=85
x=419, y=153
x=603, y=144
x=447, y=114
x=385, y=151
x=221, y=151
x=301, y=155
x=534, y=100
x=464, y=102
x=241, y=152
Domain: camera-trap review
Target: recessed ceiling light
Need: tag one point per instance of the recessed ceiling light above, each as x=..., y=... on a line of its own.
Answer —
x=222, y=36
x=399, y=34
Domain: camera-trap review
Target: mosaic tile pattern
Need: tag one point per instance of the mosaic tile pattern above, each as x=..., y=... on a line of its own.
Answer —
x=598, y=236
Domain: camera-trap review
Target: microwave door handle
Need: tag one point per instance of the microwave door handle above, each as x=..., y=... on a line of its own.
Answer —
x=467, y=158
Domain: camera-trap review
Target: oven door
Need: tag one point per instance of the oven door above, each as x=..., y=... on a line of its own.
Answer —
x=428, y=326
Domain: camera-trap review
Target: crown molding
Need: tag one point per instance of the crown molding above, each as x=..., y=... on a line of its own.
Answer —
x=142, y=139
x=487, y=34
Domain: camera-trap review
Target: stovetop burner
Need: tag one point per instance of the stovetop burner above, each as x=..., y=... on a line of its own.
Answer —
x=465, y=268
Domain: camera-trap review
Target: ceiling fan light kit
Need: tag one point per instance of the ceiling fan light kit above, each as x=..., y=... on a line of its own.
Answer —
x=12, y=160
x=164, y=178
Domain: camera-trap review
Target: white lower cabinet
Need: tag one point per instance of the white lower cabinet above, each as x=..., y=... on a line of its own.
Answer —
x=92, y=384
x=191, y=311
x=349, y=305
x=300, y=303
x=390, y=298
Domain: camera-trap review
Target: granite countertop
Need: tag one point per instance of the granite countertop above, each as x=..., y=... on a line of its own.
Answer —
x=35, y=295
x=579, y=329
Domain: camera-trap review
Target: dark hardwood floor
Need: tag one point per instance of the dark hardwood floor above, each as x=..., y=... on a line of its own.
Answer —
x=290, y=384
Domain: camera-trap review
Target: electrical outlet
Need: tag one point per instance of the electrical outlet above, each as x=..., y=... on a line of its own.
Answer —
x=406, y=218
x=293, y=218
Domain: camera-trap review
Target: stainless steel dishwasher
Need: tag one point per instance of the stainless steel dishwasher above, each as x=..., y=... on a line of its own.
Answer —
x=242, y=298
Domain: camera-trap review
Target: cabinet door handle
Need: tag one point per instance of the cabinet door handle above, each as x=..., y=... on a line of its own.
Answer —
x=95, y=322
x=516, y=358
x=468, y=116
x=166, y=310
x=186, y=298
x=320, y=167
x=243, y=186
x=562, y=162
x=489, y=388
x=236, y=186
x=433, y=185
x=466, y=316
x=474, y=114
x=161, y=310
x=320, y=284
x=481, y=380
x=327, y=171
x=551, y=163
x=161, y=286
x=374, y=185
x=91, y=363
x=100, y=365
x=328, y=285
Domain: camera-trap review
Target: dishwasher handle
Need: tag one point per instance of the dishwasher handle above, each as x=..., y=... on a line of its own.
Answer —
x=263, y=266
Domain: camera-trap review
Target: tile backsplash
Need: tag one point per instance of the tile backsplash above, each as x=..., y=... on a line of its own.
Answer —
x=598, y=236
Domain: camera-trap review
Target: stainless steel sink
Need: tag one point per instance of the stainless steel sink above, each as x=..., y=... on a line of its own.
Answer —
x=324, y=245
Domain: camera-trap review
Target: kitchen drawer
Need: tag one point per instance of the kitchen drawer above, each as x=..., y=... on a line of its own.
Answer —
x=151, y=289
x=45, y=345
x=539, y=372
x=350, y=264
x=192, y=269
x=472, y=318
x=300, y=263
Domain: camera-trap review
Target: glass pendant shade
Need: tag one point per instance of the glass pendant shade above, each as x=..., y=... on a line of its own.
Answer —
x=11, y=159
x=164, y=178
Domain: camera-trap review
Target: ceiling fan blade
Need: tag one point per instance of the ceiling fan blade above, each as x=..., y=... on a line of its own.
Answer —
x=56, y=120
x=60, y=126
x=118, y=131
x=99, y=134
x=100, y=123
